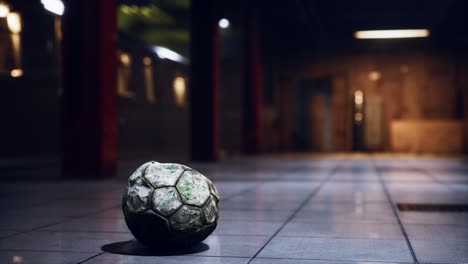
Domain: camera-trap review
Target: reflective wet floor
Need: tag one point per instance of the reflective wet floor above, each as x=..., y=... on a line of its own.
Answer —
x=295, y=209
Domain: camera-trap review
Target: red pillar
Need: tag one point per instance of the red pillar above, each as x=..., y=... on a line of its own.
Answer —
x=254, y=85
x=89, y=109
x=204, y=81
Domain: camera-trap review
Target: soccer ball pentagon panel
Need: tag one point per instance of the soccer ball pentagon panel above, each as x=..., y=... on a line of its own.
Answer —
x=170, y=206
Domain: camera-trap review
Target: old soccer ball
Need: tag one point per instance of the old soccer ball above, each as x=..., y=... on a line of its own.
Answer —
x=170, y=206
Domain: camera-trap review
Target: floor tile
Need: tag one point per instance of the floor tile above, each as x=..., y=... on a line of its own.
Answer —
x=307, y=261
x=337, y=249
x=249, y=215
x=233, y=246
x=90, y=224
x=6, y=233
x=122, y=259
x=437, y=232
x=441, y=251
x=350, y=230
x=55, y=211
x=217, y=246
x=8, y=222
x=434, y=218
x=229, y=227
x=62, y=241
x=348, y=206
x=37, y=257
x=356, y=216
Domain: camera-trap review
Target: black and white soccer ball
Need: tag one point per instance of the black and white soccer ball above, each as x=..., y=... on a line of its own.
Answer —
x=170, y=206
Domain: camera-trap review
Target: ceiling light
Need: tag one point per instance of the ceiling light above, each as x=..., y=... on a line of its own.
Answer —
x=223, y=23
x=16, y=73
x=165, y=53
x=358, y=97
x=4, y=10
x=14, y=22
x=387, y=34
x=55, y=6
x=147, y=61
x=180, y=90
x=374, y=75
x=125, y=59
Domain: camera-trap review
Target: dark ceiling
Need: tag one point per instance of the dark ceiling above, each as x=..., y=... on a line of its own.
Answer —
x=330, y=24
x=304, y=25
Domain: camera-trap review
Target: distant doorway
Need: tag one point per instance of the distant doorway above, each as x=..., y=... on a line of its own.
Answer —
x=312, y=129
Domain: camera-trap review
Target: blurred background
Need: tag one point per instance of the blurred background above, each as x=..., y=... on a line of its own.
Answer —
x=92, y=85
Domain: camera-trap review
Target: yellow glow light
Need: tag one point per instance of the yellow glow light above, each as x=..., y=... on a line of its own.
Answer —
x=14, y=22
x=4, y=10
x=147, y=61
x=179, y=91
x=374, y=75
x=358, y=97
x=16, y=73
x=358, y=117
x=125, y=59
x=387, y=34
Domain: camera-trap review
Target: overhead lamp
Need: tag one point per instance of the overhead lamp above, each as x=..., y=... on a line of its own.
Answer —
x=14, y=23
x=125, y=59
x=393, y=33
x=165, y=53
x=16, y=73
x=180, y=90
x=4, y=10
x=374, y=75
x=358, y=97
x=223, y=23
x=55, y=6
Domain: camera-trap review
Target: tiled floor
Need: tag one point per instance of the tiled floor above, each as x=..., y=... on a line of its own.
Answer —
x=338, y=209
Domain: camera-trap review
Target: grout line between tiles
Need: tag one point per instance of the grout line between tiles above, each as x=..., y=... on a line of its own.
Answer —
x=116, y=246
x=304, y=203
x=432, y=176
x=395, y=210
x=89, y=258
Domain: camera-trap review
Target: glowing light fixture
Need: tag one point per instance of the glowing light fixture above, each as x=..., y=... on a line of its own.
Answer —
x=165, y=53
x=55, y=6
x=358, y=117
x=180, y=91
x=388, y=34
x=16, y=73
x=4, y=10
x=358, y=97
x=147, y=61
x=14, y=22
x=223, y=23
x=125, y=59
x=374, y=76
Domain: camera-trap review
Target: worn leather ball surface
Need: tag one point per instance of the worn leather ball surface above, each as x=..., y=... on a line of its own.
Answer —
x=170, y=206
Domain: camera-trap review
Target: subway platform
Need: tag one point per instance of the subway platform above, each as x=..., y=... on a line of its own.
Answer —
x=288, y=209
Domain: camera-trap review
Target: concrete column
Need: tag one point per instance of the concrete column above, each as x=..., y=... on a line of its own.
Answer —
x=204, y=81
x=89, y=100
